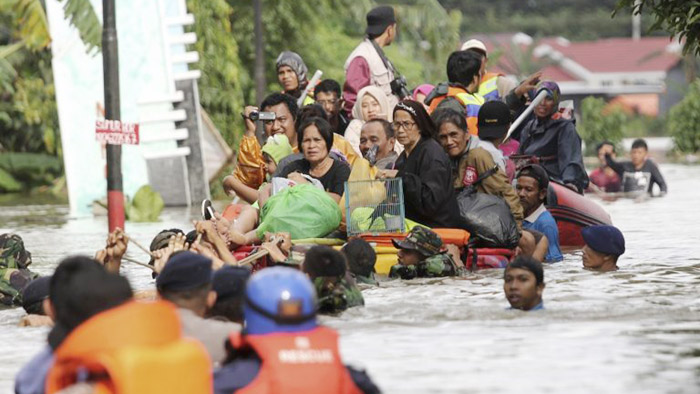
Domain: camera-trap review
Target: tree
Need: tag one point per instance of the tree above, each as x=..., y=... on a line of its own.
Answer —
x=599, y=123
x=29, y=138
x=684, y=121
x=680, y=18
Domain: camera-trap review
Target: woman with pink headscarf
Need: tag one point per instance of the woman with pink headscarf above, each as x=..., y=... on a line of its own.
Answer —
x=421, y=92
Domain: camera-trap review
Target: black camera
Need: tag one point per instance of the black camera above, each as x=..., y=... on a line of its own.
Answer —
x=255, y=116
x=398, y=87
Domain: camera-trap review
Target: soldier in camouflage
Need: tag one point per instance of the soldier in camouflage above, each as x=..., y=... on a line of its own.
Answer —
x=14, y=274
x=335, y=288
x=421, y=255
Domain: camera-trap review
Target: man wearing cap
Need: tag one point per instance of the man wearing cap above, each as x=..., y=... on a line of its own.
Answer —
x=532, y=186
x=494, y=86
x=367, y=64
x=523, y=284
x=283, y=349
x=186, y=281
x=229, y=285
x=421, y=256
x=604, y=245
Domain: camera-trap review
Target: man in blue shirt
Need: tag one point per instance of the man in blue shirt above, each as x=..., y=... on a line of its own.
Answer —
x=523, y=284
x=532, y=190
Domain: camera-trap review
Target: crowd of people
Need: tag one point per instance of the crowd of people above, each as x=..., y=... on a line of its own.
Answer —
x=220, y=312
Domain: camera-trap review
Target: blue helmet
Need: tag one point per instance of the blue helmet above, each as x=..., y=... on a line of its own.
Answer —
x=279, y=299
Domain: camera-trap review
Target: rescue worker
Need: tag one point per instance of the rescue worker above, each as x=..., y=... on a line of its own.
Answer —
x=523, y=284
x=292, y=75
x=464, y=70
x=229, y=285
x=604, y=246
x=361, y=258
x=14, y=274
x=532, y=186
x=494, y=86
x=335, y=288
x=33, y=296
x=282, y=348
x=367, y=64
x=554, y=142
x=79, y=289
x=421, y=255
x=186, y=282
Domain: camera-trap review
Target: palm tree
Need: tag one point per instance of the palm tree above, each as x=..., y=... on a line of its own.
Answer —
x=31, y=30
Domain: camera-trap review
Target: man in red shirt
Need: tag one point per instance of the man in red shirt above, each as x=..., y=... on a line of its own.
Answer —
x=604, y=177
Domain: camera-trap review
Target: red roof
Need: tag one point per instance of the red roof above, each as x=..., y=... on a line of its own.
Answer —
x=621, y=54
x=601, y=56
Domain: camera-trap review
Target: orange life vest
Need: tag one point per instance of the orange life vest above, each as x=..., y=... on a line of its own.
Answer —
x=134, y=348
x=471, y=103
x=299, y=362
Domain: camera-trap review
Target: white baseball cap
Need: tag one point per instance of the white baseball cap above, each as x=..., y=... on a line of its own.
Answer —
x=474, y=44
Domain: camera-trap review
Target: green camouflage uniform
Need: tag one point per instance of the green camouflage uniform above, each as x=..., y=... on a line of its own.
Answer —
x=435, y=266
x=436, y=263
x=369, y=281
x=14, y=275
x=336, y=294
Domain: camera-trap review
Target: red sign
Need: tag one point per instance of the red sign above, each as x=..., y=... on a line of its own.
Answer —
x=116, y=132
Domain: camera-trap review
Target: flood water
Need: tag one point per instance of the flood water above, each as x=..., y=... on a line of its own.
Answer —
x=636, y=330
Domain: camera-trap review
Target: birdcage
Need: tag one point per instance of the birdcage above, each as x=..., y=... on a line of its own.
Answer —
x=375, y=206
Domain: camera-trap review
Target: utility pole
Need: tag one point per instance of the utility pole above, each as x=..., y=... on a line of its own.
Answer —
x=636, y=23
x=259, y=54
x=110, y=66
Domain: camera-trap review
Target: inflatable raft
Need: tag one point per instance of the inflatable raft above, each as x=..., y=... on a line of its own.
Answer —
x=573, y=212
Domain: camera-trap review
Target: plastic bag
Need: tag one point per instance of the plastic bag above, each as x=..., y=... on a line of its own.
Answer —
x=304, y=211
x=488, y=218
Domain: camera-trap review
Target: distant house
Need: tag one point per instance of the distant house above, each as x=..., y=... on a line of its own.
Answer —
x=645, y=75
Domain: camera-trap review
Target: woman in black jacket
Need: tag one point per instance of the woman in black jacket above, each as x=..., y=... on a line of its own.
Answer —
x=424, y=168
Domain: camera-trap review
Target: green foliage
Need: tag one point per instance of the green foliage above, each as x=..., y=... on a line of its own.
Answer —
x=223, y=78
x=684, y=121
x=82, y=16
x=28, y=169
x=680, y=18
x=573, y=19
x=8, y=183
x=599, y=124
x=146, y=205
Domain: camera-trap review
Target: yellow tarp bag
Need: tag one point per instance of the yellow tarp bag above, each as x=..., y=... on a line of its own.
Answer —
x=371, y=195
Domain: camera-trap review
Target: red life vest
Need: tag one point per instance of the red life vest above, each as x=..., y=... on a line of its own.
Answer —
x=299, y=362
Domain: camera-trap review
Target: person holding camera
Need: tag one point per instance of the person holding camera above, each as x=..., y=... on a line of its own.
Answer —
x=279, y=111
x=367, y=64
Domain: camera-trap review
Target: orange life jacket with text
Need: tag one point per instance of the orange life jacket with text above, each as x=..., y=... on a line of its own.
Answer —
x=299, y=362
x=134, y=348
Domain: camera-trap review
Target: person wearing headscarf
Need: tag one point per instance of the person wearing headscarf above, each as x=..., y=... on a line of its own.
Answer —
x=554, y=141
x=424, y=168
x=421, y=92
x=371, y=104
x=292, y=75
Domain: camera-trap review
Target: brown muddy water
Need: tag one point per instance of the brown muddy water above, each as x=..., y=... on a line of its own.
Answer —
x=636, y=330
